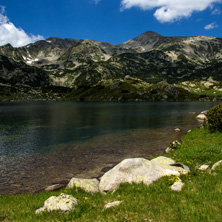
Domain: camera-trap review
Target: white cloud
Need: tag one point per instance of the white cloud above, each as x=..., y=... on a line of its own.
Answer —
x=170, y=10
x=9, y=33
x=210, y=26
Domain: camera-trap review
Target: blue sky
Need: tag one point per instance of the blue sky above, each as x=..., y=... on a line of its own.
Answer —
x=114, y=21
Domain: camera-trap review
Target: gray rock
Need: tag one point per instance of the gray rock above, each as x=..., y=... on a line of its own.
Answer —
x=216, y=165
x=168, y=150
x=112, y=204
x=177, y=186
x=201, y=117
x=63, y=202
x=140, y=170
x=204, y=167
x=89, y=185
x=204, y=112
x=54, y=187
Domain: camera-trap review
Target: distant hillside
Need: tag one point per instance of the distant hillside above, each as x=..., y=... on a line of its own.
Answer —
x=150, y=57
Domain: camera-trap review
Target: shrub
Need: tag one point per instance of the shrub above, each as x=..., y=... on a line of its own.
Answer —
x=214, y=116
x=175, y=145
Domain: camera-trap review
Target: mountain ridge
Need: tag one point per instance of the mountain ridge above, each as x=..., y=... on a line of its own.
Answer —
x=82, y=63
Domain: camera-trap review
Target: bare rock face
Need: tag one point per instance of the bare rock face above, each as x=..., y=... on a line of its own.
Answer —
x=63, y=202
x=89, y=185
x=140, y=170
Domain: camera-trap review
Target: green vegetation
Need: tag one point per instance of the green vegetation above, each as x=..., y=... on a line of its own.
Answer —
x=130, y=89
x=204, y=90
x=17, y=93
x=126, y=88
x=214, y=118
x=200, y=199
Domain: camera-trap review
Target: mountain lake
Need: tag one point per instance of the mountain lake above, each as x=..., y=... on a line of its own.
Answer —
x=44, y=143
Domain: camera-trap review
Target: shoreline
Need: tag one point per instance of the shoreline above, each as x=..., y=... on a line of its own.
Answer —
x=197, y=200
x=88, y=165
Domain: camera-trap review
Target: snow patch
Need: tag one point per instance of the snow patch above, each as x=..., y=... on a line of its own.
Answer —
x=24, y=57
x=29, y=61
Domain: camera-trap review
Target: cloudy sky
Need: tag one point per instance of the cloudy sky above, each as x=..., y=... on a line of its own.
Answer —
x=115, y=21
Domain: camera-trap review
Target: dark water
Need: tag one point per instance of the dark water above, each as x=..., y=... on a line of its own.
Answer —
x=46, y=142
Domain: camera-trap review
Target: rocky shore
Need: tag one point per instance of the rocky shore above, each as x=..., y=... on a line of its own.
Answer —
x=90, y=159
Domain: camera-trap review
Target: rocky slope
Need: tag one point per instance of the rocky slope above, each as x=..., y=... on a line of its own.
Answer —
x=83, y=64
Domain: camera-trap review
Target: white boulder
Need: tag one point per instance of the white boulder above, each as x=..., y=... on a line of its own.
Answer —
x=63, y=202
x=140, y=170
x=201, y=117
x=89, y=185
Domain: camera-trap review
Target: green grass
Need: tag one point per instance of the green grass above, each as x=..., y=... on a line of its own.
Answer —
x=200, y=199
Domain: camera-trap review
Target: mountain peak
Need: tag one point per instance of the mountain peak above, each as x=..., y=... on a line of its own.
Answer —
x=8, y=45
x=53, y=39
x=150, y=34
x=147, y=36
x=143, y=42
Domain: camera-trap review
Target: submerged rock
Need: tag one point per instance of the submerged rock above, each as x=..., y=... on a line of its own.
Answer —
x=140, y=170
x=89, y=185
x=177, y=130
x=63, y=202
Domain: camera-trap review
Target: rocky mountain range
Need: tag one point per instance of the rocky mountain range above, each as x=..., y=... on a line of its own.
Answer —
x=148, y=67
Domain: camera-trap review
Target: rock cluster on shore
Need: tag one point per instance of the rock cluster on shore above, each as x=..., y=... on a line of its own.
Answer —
x=133, y=170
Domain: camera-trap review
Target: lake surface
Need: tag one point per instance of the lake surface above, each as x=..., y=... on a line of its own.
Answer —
x=48, y=142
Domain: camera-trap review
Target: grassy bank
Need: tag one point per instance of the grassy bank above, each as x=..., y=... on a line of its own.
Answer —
x=200, y=199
